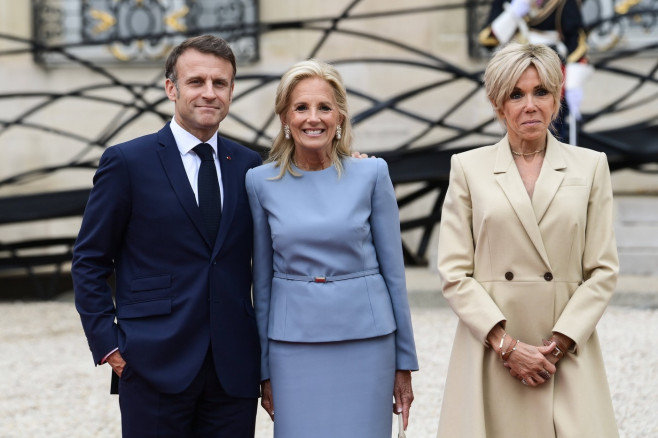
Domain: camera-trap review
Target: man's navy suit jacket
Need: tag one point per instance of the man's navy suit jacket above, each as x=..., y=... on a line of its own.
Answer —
x=176, y=292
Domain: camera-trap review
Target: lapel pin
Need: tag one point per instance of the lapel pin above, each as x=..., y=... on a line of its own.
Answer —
x=228, y=157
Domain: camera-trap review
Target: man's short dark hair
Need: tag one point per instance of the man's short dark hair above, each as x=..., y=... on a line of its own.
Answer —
x=204, y=44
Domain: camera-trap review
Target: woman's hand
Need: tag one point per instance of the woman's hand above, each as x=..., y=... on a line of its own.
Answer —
x=266, y=398
x=529, y=364
x=403, y=394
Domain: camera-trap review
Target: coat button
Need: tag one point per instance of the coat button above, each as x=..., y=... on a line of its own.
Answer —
x=548, y=276
x=509, y=276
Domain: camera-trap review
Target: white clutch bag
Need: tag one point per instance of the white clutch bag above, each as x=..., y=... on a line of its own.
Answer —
x=401, y=433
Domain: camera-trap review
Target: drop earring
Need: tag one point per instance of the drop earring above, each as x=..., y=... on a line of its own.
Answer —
x=339, y=132
x=286, y=131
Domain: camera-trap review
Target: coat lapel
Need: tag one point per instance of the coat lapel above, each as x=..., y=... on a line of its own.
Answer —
x=173, y=166
x=550, y=178
x=231, y=188
x=509, y=180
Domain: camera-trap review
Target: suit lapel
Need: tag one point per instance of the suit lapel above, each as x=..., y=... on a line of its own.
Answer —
x=230, y=186
x=173, y=166
x=509, y=180
x=550, y=178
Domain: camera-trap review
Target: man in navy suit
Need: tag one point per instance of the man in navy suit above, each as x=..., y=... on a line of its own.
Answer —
x=180, y=333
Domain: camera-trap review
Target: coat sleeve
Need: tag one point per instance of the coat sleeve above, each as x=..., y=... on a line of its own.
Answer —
x=100, y=237
x=263, y=270
x=468, y=299
x=385, y=226
x=600, y=262
x=573, y=32
x=486, y=37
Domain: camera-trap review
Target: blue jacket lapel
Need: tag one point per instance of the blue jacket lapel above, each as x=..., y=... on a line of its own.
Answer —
x=173, y=166
x=229, y=184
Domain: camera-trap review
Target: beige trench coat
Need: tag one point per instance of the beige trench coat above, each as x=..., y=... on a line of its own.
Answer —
x=541, y=265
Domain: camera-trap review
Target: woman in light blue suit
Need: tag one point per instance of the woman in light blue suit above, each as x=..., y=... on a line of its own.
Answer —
x=329, y=284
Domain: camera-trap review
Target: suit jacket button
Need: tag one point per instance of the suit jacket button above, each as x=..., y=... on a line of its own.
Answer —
x=548, y=276
x=509, y=276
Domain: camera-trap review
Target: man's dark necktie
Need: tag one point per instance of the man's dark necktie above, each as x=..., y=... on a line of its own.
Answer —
x=210, y=201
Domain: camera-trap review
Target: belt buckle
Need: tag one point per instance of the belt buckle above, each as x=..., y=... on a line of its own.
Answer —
x=320, y=279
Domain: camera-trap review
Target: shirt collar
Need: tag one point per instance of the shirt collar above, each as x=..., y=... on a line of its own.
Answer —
x=186, y=141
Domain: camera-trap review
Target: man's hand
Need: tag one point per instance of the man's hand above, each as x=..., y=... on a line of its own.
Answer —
x=266, y=398
x=116, y=362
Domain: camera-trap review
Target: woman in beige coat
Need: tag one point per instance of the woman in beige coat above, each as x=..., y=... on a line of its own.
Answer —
x=528, y=262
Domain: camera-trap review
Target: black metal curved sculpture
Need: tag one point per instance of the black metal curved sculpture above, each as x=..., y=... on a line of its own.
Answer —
x=419, y=159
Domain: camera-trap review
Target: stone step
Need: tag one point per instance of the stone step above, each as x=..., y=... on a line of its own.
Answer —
x=636, y=229
x=637, y=209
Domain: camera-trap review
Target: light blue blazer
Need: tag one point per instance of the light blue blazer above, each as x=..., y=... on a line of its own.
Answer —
x=328, y=262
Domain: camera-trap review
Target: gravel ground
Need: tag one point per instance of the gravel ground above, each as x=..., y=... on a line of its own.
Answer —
x=50, y=387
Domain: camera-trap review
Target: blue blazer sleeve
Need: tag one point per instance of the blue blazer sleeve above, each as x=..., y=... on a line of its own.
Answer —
x=262, y=271
x=385, y=225
x=104, y=221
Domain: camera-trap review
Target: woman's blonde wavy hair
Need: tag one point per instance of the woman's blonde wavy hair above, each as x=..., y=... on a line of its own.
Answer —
x=283, y=149
x=507, y=65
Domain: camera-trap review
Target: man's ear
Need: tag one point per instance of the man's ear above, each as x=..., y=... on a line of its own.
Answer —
x=170, y=89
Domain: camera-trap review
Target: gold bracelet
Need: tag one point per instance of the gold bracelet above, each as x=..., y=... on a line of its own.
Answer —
x=502, y=356
x=513, y=348
x=500, y=347
x=503, y=353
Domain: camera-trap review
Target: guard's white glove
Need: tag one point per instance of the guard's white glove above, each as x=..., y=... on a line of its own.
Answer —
x=505, y=25
x=520, y=8
x=574, y=98
x=576, y=75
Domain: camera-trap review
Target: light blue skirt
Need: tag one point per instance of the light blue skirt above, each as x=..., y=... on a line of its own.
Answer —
x=333, y=389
